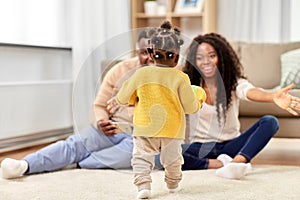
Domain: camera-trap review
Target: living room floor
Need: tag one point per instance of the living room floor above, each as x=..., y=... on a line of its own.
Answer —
x=19, y=154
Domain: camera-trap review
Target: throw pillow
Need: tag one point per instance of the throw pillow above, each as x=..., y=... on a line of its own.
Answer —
x=290, y=68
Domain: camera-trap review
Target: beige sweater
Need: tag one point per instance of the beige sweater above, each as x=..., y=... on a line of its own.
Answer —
x=110, y=85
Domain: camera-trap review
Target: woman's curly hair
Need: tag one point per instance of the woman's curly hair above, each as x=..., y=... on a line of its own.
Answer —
x=229, y=66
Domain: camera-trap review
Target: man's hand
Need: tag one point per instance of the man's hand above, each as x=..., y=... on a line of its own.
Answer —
x=112, y=106
x=107, y=127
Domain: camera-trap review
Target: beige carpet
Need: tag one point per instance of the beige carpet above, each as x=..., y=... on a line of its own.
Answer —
x=264, y=182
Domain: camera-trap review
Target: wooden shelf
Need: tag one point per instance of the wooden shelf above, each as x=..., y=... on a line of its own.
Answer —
x=186, y=14
x=208, y=16
x=145, y=16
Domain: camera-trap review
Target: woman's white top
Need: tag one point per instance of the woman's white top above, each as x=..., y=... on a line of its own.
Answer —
x=204, y=126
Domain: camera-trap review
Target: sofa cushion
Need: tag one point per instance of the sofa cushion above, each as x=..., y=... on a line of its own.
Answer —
x=290, y=68
x=288, y=127
x=261, y=62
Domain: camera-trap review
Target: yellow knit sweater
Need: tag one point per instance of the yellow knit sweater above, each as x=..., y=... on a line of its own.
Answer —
x=162, y=96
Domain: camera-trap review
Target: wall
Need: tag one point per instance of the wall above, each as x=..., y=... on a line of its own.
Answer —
x=35, y=72
x=35, y=89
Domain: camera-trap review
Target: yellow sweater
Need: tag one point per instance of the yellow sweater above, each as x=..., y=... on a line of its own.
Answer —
x=162, y=96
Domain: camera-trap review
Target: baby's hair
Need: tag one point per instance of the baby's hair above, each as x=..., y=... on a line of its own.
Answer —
x=166, y=37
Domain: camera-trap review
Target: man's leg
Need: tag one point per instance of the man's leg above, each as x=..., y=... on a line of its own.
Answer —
x=60, y=154
x=65, y=152
x=117, y=156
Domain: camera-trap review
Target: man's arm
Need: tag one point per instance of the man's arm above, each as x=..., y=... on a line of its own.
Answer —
x=108, y=89
x=105, y=93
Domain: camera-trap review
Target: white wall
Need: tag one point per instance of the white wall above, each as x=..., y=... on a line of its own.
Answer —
x=34, y=22
x=33, y=64
x=35, y=72
x=35, y=90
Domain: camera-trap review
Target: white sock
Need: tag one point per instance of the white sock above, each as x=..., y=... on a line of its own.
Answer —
x=224, y=158
x=12, y=168
x=175, y=189
x=232, y=170
x=249, y=168
x=144, y=194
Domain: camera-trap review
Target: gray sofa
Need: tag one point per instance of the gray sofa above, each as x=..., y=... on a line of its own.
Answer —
x=262, y=66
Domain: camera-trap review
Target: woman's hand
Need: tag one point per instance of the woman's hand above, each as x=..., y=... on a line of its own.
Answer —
x=107, y=127
x=286, y=101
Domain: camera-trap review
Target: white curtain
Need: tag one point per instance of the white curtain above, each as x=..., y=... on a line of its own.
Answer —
x=34, y=22
x=295, y=20
x=257, y=20
x=93, y=23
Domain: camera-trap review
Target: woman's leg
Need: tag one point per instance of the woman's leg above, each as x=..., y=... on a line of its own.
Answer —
x=201, y=156
x=243, y=148
x=252, y=141
x=198, y=156
x=246, y=146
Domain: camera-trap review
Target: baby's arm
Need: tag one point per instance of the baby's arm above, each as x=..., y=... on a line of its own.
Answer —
x=191, y=98
x=199, y=93
x=127, y=94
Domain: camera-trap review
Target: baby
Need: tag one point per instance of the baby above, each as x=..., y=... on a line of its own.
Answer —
x=162, y=95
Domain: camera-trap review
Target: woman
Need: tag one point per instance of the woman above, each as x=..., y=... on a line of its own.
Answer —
x=214, y=131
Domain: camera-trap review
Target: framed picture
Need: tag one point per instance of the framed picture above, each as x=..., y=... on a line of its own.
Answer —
x=189, y=6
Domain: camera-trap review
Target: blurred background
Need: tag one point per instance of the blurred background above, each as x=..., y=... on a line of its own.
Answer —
x=51, y=51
